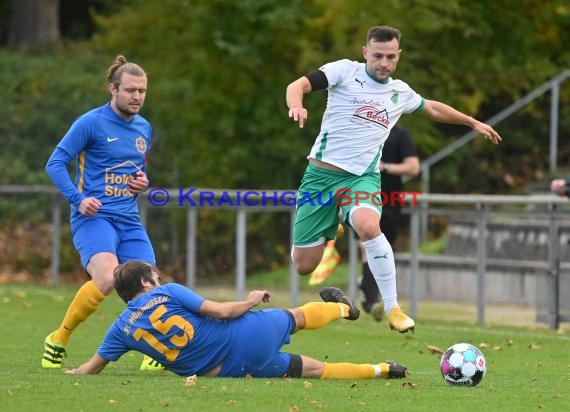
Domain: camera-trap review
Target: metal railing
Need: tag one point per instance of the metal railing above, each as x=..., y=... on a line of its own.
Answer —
x=549, y=207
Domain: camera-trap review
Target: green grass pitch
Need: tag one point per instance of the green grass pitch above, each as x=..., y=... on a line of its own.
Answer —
x=528, y=368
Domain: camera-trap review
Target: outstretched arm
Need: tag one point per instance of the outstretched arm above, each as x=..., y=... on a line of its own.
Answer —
x=441, y=112
x=230, y=310
x=93, y=366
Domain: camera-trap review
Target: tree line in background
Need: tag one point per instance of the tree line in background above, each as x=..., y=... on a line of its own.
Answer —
x=217, y=76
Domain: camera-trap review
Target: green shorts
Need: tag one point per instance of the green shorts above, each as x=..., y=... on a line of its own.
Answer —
x=323, y=193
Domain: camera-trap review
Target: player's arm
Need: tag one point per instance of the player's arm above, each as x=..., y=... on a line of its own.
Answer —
x=294, y=99
x=441, y=112
x=56, y=169
x=230, y=310
x=93, y=366
x=313, y=81
x=410, y=166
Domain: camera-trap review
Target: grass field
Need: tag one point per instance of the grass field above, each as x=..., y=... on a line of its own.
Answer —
x=528, y=368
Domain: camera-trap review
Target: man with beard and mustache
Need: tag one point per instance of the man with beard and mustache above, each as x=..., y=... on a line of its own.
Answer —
x=364, y=103
x=109, y=146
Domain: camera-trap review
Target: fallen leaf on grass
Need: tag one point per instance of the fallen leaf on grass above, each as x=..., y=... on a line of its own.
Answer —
x=435, y=349
x=409, y=385
x=307, y=385
x=484, y=345
x=534, y=346
x=293, y=408
x=125, y=382
x=112, y=401
x=191, y=380
x=510, y=342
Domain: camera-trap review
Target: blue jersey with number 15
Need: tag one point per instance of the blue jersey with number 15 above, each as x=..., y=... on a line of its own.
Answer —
x=165, y=324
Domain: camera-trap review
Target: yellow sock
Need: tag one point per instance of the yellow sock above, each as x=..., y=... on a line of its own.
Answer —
x=348, y=371
x=318, y=314
x=86, y=301
x=329, y=247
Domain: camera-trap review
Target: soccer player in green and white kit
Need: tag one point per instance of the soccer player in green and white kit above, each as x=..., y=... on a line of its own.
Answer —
x=364, y=103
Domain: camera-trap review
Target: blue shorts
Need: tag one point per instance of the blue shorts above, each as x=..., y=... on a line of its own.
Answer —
x=125, y=239
x=259, y=336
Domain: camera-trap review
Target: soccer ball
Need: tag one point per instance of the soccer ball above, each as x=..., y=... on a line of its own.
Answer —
x=463, y=364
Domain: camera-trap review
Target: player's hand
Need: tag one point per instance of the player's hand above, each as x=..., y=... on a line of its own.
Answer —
x=258, y=296
x=558, y=186
x=138, y=183
x=488, y=132
x=299, y=115
x=89, y=206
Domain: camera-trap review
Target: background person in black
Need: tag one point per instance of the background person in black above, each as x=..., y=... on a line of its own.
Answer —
x=399, y=158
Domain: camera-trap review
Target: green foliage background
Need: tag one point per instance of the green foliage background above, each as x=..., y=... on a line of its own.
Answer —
x=218, y=73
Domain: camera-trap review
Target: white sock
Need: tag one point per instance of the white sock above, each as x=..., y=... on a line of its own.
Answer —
x=383, y=267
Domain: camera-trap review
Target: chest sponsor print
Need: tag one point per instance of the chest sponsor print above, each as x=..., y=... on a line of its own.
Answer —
x=371, y=116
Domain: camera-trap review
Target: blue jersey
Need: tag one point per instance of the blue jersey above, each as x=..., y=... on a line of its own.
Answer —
x=166, y=325
x=107, y=150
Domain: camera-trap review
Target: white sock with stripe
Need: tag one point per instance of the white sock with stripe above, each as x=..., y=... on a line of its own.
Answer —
x=382, y=265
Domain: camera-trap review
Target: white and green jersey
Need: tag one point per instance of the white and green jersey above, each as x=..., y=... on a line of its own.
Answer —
x=359, y=115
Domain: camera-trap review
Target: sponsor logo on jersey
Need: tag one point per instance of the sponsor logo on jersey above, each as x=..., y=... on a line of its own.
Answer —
x=372, y=116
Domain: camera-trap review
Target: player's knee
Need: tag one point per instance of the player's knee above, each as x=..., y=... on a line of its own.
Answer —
x=304, y=269
x=304, y=263
x=105, y=286
x=295, y=369
x=369, y=230
x=104, y=282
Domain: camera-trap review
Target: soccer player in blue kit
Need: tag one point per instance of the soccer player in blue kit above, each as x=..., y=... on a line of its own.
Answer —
x=191, y=335
x=109, y=145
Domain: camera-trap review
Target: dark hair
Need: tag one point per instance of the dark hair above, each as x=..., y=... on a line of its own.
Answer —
x=120, y=66
x=382, y=34
x=127, y=278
